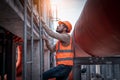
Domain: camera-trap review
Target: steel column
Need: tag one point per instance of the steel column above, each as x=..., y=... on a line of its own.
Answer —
x=25, y=42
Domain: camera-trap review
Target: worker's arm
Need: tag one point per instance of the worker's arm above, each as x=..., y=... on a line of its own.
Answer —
x=62, y=37
x=51, y=48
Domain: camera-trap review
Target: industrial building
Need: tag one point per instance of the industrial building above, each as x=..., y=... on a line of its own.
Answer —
x=96, y=40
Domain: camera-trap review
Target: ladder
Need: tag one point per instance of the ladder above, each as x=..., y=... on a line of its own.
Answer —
x=29, y=38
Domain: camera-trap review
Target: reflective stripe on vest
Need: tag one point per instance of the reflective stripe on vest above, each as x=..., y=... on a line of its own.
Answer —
x=64, y=51
x=62, y=59
x=59, y=50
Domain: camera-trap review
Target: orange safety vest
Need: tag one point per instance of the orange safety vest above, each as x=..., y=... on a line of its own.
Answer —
x=64, y=54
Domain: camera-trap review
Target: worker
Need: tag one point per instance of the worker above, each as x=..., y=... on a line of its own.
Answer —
x=63, y=48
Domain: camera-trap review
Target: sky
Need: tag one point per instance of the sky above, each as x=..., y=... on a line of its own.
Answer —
x=69, y=10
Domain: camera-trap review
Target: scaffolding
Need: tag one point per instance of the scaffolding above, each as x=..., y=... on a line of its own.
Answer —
x=28, y=64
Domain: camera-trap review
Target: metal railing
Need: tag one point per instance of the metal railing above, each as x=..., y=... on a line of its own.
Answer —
x=109, y=68
x=39, y=30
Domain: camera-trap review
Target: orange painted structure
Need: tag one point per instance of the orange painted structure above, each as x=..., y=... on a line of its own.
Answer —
x=97, y=31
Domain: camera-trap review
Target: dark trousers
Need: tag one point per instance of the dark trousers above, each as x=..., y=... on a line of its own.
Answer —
x=60, y=72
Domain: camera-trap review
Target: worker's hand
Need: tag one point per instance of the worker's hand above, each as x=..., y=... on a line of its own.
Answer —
x=44, y=37
x=42, y=20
